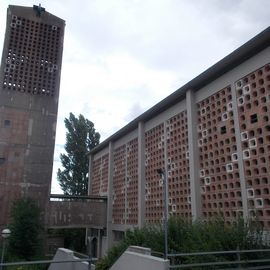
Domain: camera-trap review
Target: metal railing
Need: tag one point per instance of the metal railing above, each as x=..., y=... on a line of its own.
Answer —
x=233, y=259
x=43, y=264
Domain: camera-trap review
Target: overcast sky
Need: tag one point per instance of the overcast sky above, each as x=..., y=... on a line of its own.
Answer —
x=121, y=57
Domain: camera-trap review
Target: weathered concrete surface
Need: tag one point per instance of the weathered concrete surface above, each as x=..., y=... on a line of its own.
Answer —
x=74, y=214
x=29, y=92
x=139, y=258
x=63, y=254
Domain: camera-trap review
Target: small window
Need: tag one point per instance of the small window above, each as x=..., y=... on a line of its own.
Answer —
x=223, y=130
x=253, y=118
x=7, y=123
x=2, y=160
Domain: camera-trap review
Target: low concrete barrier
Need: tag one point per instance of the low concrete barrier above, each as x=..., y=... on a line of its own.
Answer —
x=64, y=254
x=135, y=258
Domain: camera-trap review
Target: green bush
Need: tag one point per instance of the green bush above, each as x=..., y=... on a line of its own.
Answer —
x=74, y=238
x=212, y=235
x=183, y=236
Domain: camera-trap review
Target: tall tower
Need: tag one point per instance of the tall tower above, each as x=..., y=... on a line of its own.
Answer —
x=29, y=90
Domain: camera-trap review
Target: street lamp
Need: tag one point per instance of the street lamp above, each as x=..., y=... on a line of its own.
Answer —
x=163, y=177
x=5, y=234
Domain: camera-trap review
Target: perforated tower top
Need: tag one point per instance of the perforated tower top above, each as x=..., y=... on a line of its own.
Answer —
x=32, y=54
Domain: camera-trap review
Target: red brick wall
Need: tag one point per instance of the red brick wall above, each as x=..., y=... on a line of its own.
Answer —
x=125, y=184
x=178, y=166
x=219, y=174
x=154, y=160
x=100, y=174
x=253, y=94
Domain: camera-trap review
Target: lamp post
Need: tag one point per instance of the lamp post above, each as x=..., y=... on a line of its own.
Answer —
x=163, y=177
x=5, y=234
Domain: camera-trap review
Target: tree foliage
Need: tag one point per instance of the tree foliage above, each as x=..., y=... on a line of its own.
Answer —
x=81, y=137
x=184, y=237
x=26, y=238
x=74, y=238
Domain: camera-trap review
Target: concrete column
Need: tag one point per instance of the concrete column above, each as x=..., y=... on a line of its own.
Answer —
x=90, y=174
x=239, y=152
x=99, y=245
x=126, y=173
x=141, y=175
x=110, y=198
x=195, y=193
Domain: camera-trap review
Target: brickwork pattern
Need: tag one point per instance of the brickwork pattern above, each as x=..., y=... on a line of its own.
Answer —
x=125, y=184
x=154, y=160
x=31, y=65
x=12, y=132
x=219, y=173
x=119, y=188
x=253, y=100
x=132, y=182
x=178, y=166
x=100, y=174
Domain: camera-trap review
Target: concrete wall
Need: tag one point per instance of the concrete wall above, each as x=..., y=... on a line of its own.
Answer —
x=74, y=214
x=66, y=254
x=135, y=258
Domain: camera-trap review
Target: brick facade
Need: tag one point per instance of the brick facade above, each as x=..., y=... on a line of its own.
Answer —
x=223, y=115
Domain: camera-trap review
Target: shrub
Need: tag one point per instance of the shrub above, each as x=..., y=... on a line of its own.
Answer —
x=26, y=230
x=183, y=236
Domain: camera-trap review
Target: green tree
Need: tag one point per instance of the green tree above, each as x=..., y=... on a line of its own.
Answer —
x=26, y=229
x=81, y=137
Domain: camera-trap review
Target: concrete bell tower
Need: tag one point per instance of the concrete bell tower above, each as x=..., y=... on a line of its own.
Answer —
x=29, y=91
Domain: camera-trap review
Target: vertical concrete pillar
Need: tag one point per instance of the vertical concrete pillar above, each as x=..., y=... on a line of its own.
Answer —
x=239, y=153
x=193, y=155
x=90, y=174
x=126, y=175
x=99, y=244
x=110, y=198
x=141, y=175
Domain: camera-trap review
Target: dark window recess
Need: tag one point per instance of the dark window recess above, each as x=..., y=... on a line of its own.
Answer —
x=223, y=130
x=7, y=123
x=253, y=118
x=2, y=160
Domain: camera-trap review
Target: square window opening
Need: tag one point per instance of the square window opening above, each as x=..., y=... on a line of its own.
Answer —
x=254, y=118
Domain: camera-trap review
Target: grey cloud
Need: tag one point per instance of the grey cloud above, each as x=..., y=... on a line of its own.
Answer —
x=135, y=110
x=165, y=36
